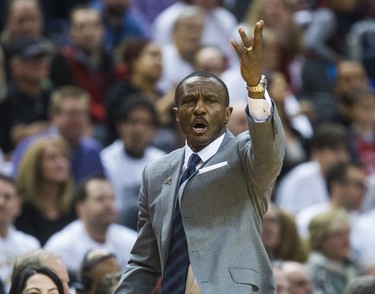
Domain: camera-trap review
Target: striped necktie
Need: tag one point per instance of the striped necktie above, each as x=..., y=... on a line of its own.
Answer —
x=174, y=278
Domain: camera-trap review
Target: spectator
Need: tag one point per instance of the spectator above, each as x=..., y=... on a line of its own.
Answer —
x=237, y=123
x=108, y=284
x=299, y=279
x=28, y=94
x=282, y=282
x=359, y=46
x=346, y=186
x=25, y=19
x=91, y=65
x=119, y=23
x=363, y=240
x=218, y=27
x=42, y=257
x=326, y=44
x=96, y=264
x=350, y=76
x=361, y=285
x=141, y=68
x=56, y=19
x=304, y=185
x=125, y=159
x=178, y=55
x=95, y=228
x=210, y=58
x=39, y=279
x=280, y=236
x=69, y=117
x=12, y=242
x=45, y=184
x=329, y=264
x=361, y=104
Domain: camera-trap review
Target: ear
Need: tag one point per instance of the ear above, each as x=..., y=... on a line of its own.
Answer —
x=228, y=113
x=175, y=111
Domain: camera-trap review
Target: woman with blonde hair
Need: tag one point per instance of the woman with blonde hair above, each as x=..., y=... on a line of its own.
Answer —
x=329, y=263
x=45, y=184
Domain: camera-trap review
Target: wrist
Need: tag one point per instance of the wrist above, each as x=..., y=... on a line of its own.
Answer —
x=257, y=91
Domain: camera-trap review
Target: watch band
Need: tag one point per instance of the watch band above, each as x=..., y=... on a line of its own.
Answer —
x=260, y=87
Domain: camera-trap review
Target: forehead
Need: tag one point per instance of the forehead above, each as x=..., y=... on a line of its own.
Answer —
x=52, y=148
x=140, y=112
x=73, y=102
x=151, y=47
x=38, y=280
x=350, y=68
x=85, y=15
x=5, y=185
x=98, y=187
x=24, y=5
x=201, y=85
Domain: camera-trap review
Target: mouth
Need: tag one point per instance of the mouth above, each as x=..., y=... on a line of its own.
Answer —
x=200, y=126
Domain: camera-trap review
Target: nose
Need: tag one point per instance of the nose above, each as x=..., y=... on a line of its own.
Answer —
x=200, y=107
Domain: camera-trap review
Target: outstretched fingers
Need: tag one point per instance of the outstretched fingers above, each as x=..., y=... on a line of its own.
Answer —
x=258, y=36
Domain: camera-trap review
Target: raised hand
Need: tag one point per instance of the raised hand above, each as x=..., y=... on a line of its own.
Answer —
x=251, y=54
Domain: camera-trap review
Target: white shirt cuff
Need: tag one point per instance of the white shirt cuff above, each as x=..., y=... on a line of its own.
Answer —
x=260, y=109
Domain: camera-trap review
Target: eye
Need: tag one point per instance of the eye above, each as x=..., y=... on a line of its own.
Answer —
x=211, y=99
x=188, y=101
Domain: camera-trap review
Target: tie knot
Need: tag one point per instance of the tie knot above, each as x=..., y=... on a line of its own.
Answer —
x=194, y=160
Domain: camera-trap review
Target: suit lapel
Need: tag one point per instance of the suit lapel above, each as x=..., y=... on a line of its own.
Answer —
x=168, y=197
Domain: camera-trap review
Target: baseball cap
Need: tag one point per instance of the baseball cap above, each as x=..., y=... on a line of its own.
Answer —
x=29, y=47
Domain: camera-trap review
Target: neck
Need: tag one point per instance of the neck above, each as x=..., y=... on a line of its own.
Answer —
x=365, y=128
x=134, y=154
x=145, y=85
x=97, y=233
x=322, y=165
x=50, y=193
x=188, y=57
x=4, y=230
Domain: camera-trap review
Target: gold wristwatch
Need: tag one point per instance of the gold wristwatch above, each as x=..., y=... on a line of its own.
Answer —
x=260, y=87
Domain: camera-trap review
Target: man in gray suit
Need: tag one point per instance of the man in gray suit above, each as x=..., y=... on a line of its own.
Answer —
x=202, y=234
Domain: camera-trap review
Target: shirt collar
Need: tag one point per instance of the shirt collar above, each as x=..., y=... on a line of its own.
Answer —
x=206, y=153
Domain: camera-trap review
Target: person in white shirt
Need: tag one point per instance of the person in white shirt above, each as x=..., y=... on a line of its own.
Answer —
x=125, y=159
x=95, y=228
x=363, y=241
x=218, y=28
x=304, y=185
x=178, y=55
x=12, y=242
x=346, y=184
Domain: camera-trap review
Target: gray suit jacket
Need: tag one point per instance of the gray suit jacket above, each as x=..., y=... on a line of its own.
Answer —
x=222, y=207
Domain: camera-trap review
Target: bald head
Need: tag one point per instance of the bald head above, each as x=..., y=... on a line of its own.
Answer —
x=299, y=279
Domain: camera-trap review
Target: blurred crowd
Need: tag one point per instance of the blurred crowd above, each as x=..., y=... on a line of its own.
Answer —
x=86, y=97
